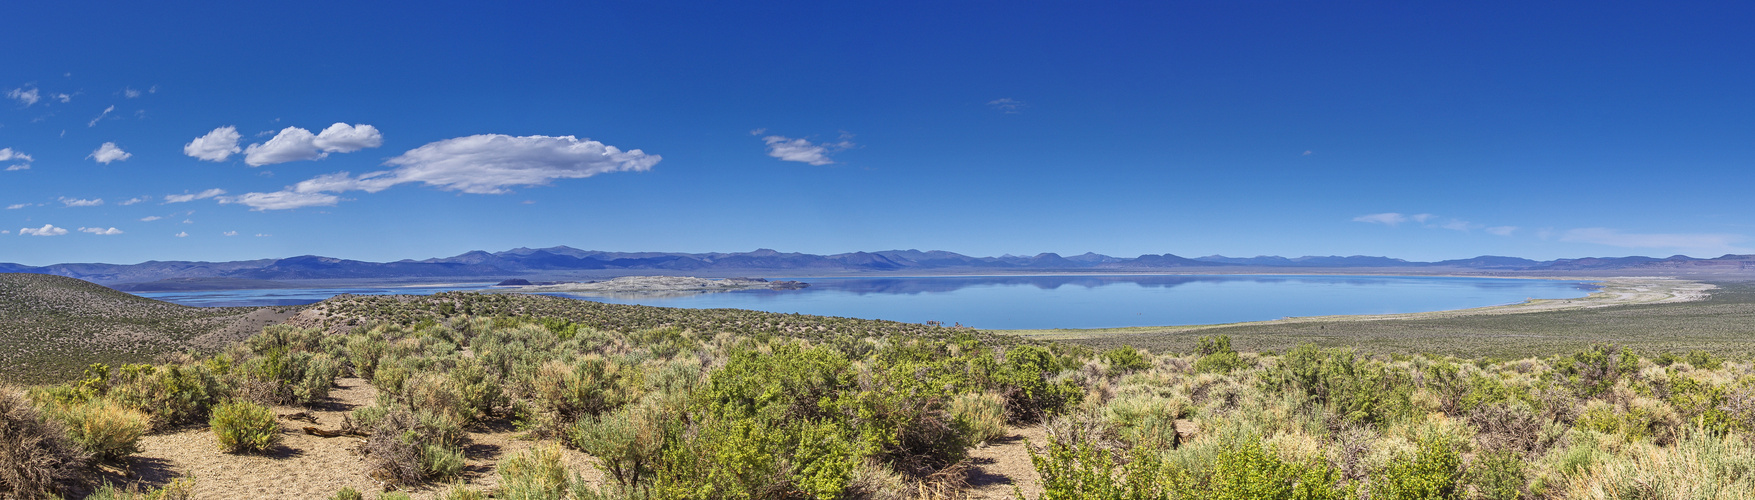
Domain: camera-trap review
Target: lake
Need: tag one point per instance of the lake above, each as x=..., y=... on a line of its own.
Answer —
x=1031, y=302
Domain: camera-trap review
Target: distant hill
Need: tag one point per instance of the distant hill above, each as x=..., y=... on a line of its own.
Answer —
x=54, y=326
x=561, y=260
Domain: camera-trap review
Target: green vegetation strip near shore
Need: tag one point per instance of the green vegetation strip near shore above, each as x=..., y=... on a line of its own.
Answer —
x=1634, y=315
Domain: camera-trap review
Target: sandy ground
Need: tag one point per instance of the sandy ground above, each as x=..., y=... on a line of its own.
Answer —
x=1614, y=292
x=306, y=466
x=1002, y=467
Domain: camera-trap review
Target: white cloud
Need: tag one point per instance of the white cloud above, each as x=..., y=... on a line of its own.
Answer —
x=1008, y=105
x=1459, y=225
x=1390, y=219
x=282, y=200
x=1705, y=243
x=76, y=202
x=150, y=218
x=46, y=230
x=1421, y=218
x=108, y=153
x=8, y=154
x=64, y=98
x=188, y=221
x=27, y=96
x=101, y=231
x=803, y=151
x=186, y=197
x=217, y=145
x=342, y=138
x=231, y=233
x=133, y=200
x=477, y=164
x=184, y=234
x=297, y=144
x=21, y=166
x=1501, y=230
x=101, y=116
x=17, y=206
x=263, y=235
x=130, y=93
x=5, y=231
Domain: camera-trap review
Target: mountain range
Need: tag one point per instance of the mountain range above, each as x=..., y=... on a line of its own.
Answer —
x=567, y=261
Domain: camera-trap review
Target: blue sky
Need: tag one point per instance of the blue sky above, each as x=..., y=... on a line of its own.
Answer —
x=381, y=132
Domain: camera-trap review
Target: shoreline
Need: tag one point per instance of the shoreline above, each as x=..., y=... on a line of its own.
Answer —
x=1613, y=292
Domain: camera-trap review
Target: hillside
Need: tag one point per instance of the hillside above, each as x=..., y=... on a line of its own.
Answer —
x=55, y=326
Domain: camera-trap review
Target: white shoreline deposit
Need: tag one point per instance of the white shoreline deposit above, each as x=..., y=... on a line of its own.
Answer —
x=1622, y=291
x=651, y=284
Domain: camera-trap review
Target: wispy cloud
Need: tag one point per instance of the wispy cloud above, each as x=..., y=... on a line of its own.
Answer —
x=108, y=153
x=100, y=117
x=1501, y=230
x=477, y=164
x=297, y=144
x=133, y=200
x=1008, y=105
x=217, y=145
x=188, y=197
x=282, y=200
x=1391, y=219
x=231, y=233
x=1703, y=243
x=76, y=202
x=150, y=218
x=8, y=154
x=183, y=234
x=1459, y=225
x=27, y=95
x=17, y=206
x=46, y=230
x=101, y=231
x=802, y=150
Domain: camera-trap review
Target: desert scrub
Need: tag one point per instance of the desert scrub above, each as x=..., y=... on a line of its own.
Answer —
x=177, y=489
x=982, y=414
x=534, y=474
x=37, y=459
x=106, y=429
x=243, y=426
x=409, y=447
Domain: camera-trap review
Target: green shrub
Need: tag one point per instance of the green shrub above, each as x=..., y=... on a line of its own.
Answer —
x=1499, y=476
x=243, y=426
x=1217, y=356
x=37, y=458
x=627, y=443
x=535, y=474
x=1125, y=359
x=1704, y=360
x=1359, y=390
x=982, y=414
x=411, y=447
x=348, y=493
x=1434, y=470
x=171, y=394
x=1024, y=381
x=177, y=489
x=104, y=428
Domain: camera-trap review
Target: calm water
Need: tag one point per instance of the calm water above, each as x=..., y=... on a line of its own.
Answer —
x=1017, y=302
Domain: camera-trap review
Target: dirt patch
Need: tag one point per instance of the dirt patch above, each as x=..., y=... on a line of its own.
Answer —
x=307, y=466
x=1002, y=467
